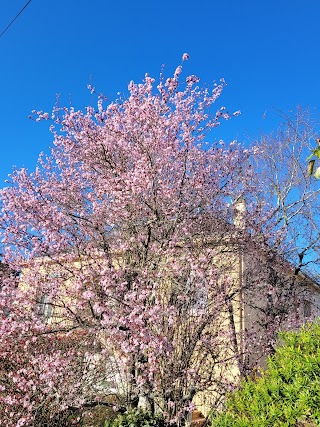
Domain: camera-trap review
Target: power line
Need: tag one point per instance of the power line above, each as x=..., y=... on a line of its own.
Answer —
x=9, y=25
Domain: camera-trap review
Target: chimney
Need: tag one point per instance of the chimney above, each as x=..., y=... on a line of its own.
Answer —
x=239, y=213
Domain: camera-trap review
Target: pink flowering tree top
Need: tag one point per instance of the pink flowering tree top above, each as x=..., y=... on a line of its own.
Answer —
x=119, y=235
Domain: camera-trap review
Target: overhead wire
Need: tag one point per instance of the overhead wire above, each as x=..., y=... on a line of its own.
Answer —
x=9, y=25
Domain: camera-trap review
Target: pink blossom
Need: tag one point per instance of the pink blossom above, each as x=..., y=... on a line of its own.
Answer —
x=130, y=256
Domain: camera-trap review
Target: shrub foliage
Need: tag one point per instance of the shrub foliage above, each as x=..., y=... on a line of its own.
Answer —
x=287, y=393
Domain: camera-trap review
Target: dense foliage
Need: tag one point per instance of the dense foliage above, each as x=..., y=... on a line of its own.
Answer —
x=287, y=393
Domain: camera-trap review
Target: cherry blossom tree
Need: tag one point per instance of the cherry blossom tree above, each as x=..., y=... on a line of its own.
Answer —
x=125, y=239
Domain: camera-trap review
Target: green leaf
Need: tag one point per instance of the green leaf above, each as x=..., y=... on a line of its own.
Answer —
x=317, y=173
x=316, y=152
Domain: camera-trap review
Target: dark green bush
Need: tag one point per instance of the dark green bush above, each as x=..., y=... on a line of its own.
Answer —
x=66, y=418
x=136, y=418
x=287, y=393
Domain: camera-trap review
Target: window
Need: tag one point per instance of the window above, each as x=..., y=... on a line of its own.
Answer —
x=200, y=299
x=306, y=309
x=44, y=307
x=189, y=292
x=198, y=296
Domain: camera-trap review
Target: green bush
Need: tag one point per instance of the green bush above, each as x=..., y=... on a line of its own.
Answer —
x=287, y=393
x=136, y=418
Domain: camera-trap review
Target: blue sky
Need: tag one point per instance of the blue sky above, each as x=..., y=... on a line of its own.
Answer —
x=268, y=52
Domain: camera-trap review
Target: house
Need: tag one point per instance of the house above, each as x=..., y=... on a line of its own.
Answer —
x=258, y=314
x=219, y=332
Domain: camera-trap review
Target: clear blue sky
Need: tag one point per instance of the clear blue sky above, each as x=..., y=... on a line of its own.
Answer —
x=268, y=52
